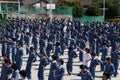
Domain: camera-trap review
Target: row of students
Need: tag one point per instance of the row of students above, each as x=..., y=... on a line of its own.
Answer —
x=46, y=34
x=12, y=72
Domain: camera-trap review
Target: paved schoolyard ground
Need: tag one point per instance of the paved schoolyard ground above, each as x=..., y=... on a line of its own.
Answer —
x=66, y=76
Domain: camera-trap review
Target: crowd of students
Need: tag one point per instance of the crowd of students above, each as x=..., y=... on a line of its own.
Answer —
x=47, y=39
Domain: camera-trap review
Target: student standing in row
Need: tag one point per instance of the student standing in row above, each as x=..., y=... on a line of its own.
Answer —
x=19, y=55
x=31, y=59
x=109, y=69
x=59, y=73
x=23, y=75
x=85, y=74
x=42, y=65
x=93, y=64
x=15, y=73
x=71, y=55
x=53, y=67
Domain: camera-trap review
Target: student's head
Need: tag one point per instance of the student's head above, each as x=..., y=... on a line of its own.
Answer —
x=49, y=40
x=93, y=41
x=42, y=38
x=42, y=53
x=5, y=56
x=7, y=62
x=14, y=67
x=53, y=58
x=83, y=68
x=32, y=49
x=71, y=48
x=82, y=38
x=104, y=45
x=72, y=37
x=108, y=60
x=60, y=62
x=19, y=43
x=22, y=74
x=87, y=50
x=57, y=43
x=14, y=39
x=93, y=55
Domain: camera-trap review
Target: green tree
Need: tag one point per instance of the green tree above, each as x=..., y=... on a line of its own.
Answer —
x=112, y=7
x=78, y=10
x=93, y=11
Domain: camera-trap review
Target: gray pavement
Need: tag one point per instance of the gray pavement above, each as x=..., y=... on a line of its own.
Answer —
x=66, y=76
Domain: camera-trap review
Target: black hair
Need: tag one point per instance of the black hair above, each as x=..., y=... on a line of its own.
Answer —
x=14, y=66
x=83, y=67
x=88, y=50
x=108, y=58
x=71, y=48
x=23, y=73
x=57, y=43
x=54, y=57
x=14, y=39
x=93, y=54
x=7, y=61
x=104, y=43
x=31, y=48
x=61, y=61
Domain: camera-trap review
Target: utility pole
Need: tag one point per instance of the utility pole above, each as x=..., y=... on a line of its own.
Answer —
x=104, y=8
x=19, y=6
x=50, y=14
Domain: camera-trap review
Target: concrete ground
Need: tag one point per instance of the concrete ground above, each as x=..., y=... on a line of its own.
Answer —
x=66, y=76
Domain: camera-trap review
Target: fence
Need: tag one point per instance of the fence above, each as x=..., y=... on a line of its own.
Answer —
x=91, y=19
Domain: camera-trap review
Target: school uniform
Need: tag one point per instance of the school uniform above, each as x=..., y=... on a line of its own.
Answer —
x=113, y=46
x=94, y=48
x=2, y=71
x=25, y=78
x=6, y=75
x=22, y=39
x=9, y=43
x=98, y=46
x=31, y=59
x=15, y=75
x=109, y=69
x=42, y=45
x=53, y=38
x=53, y=67
x=115, y=61
x=27, y=41
x=93, y=64
x=82, y=45
x=36, y=42
x=103, y=57
x=49, y=48
x=62, y=44
x=17, y=36
x=14, y=51
x=19, y=57
x=58, y=52
x=4, y=45
x=73, y=42
x=12, y=35
x=71, y=55
x=42, y=65
x=85, y=75
x=59, y=73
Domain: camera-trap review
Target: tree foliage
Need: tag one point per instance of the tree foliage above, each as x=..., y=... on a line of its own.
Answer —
x=112, y=7
x=93, y=11
x=78, y=10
